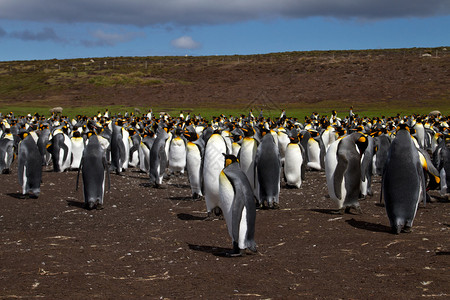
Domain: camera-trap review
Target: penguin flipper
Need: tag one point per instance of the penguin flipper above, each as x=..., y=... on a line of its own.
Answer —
x=20, y=169
x=105, y=166
x=78, y=173
x=427, y=165
x=339, y=176
x=122, y=153
x=66, y=151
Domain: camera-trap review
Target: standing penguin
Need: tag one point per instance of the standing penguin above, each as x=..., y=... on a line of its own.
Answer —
x=118, y=150
x=134, y=142
x=158, y=158
x=195, y=148
x=77, y=149
x=238, y=206
x=366, y=168
x=403, y=182
x=294, y=163
x=29, y=166
x=343, y=170
x=6, y=154
x=213, y=162
x=94, y=171
x=316, y=151
x=177, y=152
x=247, y=154
x=60, y=146
x=268, y=167
x=382, y=142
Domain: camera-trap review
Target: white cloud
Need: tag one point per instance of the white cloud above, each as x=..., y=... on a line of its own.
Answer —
x=197, y=12
x=185, y=42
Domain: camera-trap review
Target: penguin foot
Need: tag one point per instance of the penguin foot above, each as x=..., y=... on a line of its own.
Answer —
x=233, y=254
x=406, y=229
x=99, y=207
x=196, y=197
x=275, y=205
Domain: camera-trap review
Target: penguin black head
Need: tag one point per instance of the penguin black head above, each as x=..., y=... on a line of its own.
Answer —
x=190, y=135
x=362, y=143
x=229, y=159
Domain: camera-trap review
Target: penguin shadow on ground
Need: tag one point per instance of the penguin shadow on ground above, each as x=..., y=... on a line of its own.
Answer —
x=216, y=251
x=77, y=204
x=189, y=217
x=179, y=185
x=17, y=195
x=327, y=211
x=182, y=198
x=369, y=226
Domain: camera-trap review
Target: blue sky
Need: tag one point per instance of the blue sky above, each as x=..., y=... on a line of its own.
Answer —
x=47, y=29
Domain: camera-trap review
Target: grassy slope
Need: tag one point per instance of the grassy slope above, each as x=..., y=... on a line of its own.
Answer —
x=34, y=86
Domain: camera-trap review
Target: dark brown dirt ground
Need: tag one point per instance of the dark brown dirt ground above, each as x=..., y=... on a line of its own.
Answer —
x=154, y=243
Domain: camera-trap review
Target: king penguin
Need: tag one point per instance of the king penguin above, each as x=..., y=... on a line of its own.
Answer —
x=247, y=153
x=238, y=206
x=213, y=162
x=29, y=166
x=158, y=158
x=268, y=167
x=94, y=170
x=195, y=147
x=294, y=162
x=77, y=149
x=60, y=146
x=6, y=155
x=343, y=170
x=177, y=152
x=403, y=182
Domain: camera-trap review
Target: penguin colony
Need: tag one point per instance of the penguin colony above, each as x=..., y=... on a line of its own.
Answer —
x=237, y=164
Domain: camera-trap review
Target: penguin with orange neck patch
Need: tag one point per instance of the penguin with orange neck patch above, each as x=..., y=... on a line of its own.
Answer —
x=237, y=202
x=403, y=182
x=29, y=166
x=343, y=170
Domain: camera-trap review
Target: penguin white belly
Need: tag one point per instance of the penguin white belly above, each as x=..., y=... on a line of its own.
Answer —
x=235, y=149
x=144, y=158
x=313, y=154
x=243, y=230
x=330, y=167
x=247, y=159
x=24, y=181
x=126, y=143
x=177, y=155
x=283, y=142
x=77, y=152
x=66, y=163
x=226, y=200
x=374, y=164
x=212, y=166
x=326, y=138
x=292, y=165
x=193, y=167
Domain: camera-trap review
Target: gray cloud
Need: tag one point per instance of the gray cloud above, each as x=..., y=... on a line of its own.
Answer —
x=46, y=34
x=197, y=12
x=2, y=32
x=101, y=38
